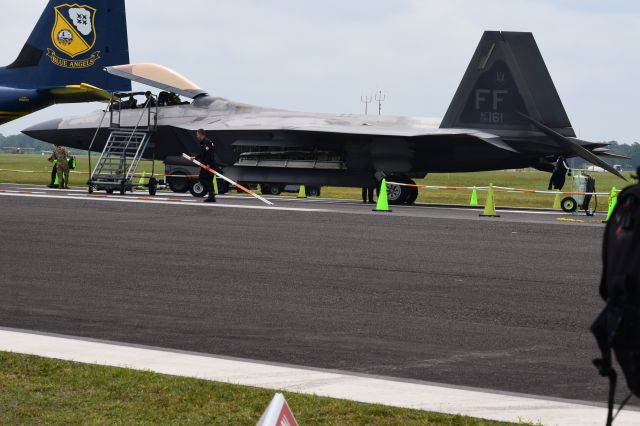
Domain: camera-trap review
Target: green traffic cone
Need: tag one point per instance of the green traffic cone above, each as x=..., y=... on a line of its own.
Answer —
x=556, y=201
x=612, y=193
x=302, y=193
x=490, y=207
x=141, y=180
x=383, y=202
x=215, y=184
x=613, y=201
x=474, y=197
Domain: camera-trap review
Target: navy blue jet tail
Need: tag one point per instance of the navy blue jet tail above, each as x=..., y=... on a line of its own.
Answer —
x=70, y=45
x=63, y=60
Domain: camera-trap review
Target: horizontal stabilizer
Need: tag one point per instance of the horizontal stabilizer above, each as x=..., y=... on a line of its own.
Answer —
x=158, y=76
x=611, y=155
x=79, y=93
x=573, y=147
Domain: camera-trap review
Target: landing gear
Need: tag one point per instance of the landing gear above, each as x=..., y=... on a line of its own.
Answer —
x=273, y=189
x=397, y=194
x=412, y=196
x=180, y=183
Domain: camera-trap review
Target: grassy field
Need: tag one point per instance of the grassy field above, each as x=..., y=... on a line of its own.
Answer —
x=40, y=165
x=521, y=179
x=44, y=391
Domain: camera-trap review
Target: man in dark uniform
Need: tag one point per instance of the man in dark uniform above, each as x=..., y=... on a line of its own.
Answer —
x=367, y=191
x=207, y=157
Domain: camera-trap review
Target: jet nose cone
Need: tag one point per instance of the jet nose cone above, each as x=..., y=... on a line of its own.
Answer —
x=47, y=131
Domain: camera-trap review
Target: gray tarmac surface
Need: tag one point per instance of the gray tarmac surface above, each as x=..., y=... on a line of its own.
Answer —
x=424, y=293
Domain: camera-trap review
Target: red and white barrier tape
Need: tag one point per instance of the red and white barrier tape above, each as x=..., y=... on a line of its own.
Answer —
x=499, y=189
x=232, y=182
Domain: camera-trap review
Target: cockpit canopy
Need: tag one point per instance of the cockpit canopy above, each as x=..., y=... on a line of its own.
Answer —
x=158, y=76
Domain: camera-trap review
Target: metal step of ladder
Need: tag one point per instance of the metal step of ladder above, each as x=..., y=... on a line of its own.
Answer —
x=119, y=161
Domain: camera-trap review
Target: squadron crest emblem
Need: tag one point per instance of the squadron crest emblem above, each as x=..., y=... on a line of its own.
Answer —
x=73, y=34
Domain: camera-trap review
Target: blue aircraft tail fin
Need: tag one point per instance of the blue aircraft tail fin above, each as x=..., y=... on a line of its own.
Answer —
x=71, y=44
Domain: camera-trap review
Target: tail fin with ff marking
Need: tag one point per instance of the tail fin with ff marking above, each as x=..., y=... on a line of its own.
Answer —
x=71, y=44
x=506, y=78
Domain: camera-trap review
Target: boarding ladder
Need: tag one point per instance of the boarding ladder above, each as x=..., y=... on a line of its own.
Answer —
x=117, y=166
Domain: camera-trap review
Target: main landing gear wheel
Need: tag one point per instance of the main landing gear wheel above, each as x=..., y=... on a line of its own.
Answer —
x=272, y=189
x=178, y=184
x=196, y=189
x=412, y=196
x=397, y=194
x=569, y=204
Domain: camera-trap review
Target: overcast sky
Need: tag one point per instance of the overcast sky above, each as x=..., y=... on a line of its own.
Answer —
x=322, y=56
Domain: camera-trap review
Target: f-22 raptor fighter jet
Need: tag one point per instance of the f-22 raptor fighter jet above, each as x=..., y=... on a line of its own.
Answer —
x=505, y=114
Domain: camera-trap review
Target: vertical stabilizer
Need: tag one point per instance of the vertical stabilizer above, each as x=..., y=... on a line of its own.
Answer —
x=71, y=44
x=507, y=77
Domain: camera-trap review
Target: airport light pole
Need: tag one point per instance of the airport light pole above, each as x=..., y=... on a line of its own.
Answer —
x=366, y=100
x=380, y=98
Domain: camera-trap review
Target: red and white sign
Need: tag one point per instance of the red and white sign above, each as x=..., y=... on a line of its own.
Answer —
x=278, y=413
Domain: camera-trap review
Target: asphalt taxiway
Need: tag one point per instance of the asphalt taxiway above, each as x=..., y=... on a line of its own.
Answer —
x=422, y=293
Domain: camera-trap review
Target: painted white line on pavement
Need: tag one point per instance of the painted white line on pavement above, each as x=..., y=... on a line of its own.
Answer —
x=315, y=200
x=150, y=200
x=171, y=199
x=335, y=384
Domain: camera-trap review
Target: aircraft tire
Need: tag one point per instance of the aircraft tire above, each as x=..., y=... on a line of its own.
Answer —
x=179, y=184
x=412, y=196
x=271, y=189
x=396, y=194
x=313, y=191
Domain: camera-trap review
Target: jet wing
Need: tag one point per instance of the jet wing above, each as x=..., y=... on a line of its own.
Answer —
x=157, y=76
x=399, y=127
x=79, y=93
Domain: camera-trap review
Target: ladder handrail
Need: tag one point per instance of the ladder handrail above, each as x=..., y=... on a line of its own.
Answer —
x=116, y=150
x=95, y=135
x=146, y=105
x=124, y=144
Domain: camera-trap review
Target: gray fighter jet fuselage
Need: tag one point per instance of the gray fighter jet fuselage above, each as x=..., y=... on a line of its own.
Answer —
x=505, y=114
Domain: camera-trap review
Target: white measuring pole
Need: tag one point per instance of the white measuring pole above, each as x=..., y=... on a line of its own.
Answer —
x=232, y=182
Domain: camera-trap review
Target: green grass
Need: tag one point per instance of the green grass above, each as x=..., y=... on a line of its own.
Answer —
x=39, y=164
x=527, y=179
x=44, y=391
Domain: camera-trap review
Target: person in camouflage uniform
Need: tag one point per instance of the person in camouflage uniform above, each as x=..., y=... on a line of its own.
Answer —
x=61, y=155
